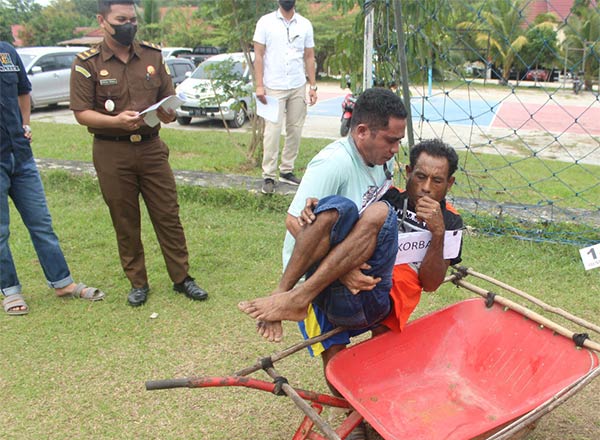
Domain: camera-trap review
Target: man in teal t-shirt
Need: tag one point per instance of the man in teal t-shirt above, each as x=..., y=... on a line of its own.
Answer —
x=340, y=185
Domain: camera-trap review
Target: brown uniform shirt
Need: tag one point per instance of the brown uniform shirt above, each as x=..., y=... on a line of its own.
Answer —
x=98, y=76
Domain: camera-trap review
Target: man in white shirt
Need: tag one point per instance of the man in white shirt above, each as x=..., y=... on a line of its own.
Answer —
x=284, y=51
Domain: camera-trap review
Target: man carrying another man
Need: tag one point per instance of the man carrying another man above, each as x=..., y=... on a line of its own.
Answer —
x=345, y=221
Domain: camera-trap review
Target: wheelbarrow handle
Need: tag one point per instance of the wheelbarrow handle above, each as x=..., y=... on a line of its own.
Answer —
x=167, y=384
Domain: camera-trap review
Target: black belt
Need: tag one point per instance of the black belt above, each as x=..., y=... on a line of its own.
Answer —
x=133, y=138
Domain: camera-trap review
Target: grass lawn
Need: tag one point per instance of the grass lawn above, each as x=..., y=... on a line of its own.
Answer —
x=73, y=369
x=486, y=176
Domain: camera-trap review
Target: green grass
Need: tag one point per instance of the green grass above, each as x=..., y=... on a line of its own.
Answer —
x=73, y=369
x=491, y=177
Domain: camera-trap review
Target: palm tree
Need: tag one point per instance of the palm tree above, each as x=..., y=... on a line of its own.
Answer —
x=501, y=23
x=582, y=40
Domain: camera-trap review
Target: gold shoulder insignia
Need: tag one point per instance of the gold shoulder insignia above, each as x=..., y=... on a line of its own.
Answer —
x=87, y=54
x=150, y=45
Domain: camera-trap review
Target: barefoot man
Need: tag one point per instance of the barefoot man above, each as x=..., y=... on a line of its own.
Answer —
x=346, y=233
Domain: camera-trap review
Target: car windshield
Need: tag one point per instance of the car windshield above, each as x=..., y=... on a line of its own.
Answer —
x=210, y=68
x=27, y=59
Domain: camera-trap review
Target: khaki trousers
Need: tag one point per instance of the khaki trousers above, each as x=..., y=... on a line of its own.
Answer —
x=126, y=171
x=292, y=110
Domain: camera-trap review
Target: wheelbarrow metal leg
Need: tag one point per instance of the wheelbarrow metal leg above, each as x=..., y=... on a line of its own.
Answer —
x=305, y=431
x=330, y=434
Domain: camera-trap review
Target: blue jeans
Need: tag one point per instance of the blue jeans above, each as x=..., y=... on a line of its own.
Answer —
x=21, y=181
x=365, y=309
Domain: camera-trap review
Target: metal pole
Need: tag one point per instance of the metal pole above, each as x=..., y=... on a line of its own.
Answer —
x=368, y=48
x=565, y=72
x=403, y=70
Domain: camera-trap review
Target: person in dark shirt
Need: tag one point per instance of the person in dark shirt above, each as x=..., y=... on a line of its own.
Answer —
x=20, y=180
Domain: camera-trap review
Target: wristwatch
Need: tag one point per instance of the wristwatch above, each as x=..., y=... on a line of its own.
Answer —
x=26, y=128
x=314, y=87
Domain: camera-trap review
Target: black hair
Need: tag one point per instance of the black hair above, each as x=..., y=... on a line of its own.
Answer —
x=436, y=148
x=104, y=5
x=375, y=106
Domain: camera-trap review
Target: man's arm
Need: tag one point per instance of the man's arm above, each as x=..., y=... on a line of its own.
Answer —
x=309, y=63
x=127, y=120
x=433, y=267
x=25, y=108
x=259, y=71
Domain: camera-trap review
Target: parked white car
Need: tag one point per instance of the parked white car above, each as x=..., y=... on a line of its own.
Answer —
x=49, y=70
x=201, y=98
x=173, y=52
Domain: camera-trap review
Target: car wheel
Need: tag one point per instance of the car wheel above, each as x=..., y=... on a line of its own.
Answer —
x=238, y=119
x=184, y=120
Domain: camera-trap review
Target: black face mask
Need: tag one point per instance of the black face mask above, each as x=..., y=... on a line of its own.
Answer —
x=124, y=33
x=287, y=5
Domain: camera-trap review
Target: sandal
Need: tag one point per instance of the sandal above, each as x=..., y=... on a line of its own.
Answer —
x=84, y=292
x=11, y=302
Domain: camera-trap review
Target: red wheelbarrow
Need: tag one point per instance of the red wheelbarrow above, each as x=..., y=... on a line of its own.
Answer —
x=480, y=368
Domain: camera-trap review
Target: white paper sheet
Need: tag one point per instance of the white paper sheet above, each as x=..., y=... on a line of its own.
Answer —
x=270, y=110
x=412, y=246
x=169, y=103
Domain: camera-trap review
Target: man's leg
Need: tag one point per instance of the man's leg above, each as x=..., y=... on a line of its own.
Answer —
x=115, y=164
x=27, y=193
x=354, y=250
x=9, y=281
x=157, y=185
x=294, y=121
x=272, y=137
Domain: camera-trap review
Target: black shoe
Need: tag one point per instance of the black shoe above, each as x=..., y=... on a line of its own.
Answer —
x=289, y=178
x=268, y=186
x=138, y=296
x=190, y=289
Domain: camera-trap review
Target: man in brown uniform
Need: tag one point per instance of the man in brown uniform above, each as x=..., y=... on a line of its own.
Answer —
x=110, y=84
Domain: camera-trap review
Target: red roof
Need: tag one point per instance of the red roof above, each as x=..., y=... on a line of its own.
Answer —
x=560, y=8
x=16, y=29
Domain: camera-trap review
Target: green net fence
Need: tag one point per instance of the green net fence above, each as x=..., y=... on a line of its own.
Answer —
x=514, y=87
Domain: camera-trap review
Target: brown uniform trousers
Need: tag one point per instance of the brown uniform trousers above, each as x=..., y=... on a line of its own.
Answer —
x=125, y=171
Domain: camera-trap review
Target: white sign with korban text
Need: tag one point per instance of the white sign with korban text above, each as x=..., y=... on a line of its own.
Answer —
x=412, y=246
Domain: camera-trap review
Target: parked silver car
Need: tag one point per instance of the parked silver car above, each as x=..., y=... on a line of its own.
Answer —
x=49, y=70
x=179, y=69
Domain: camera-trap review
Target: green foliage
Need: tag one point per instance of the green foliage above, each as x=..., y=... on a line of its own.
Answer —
x=233, y=21
x=330, y=25
x=86, y=8
x=15, y=12
x=151, y=11
x=582, y=40
x=53, y=24
x=542, y=46
x=181, y=28
x=91, y=359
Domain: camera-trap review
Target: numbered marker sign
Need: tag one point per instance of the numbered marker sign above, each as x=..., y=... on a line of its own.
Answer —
x=590, y=256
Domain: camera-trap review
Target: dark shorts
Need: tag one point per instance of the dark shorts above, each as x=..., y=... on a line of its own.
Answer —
x=336, y=305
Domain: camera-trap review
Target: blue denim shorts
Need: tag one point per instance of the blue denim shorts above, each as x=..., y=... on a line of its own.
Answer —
x=365, y=309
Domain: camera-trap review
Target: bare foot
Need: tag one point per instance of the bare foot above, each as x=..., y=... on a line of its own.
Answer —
x=277, y=307
x=66, y=291
x=271, y=331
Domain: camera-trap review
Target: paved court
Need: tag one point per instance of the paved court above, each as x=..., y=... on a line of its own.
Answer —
x=520, y=116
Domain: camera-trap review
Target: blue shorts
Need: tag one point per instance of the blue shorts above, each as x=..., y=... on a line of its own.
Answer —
x=336, y=305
